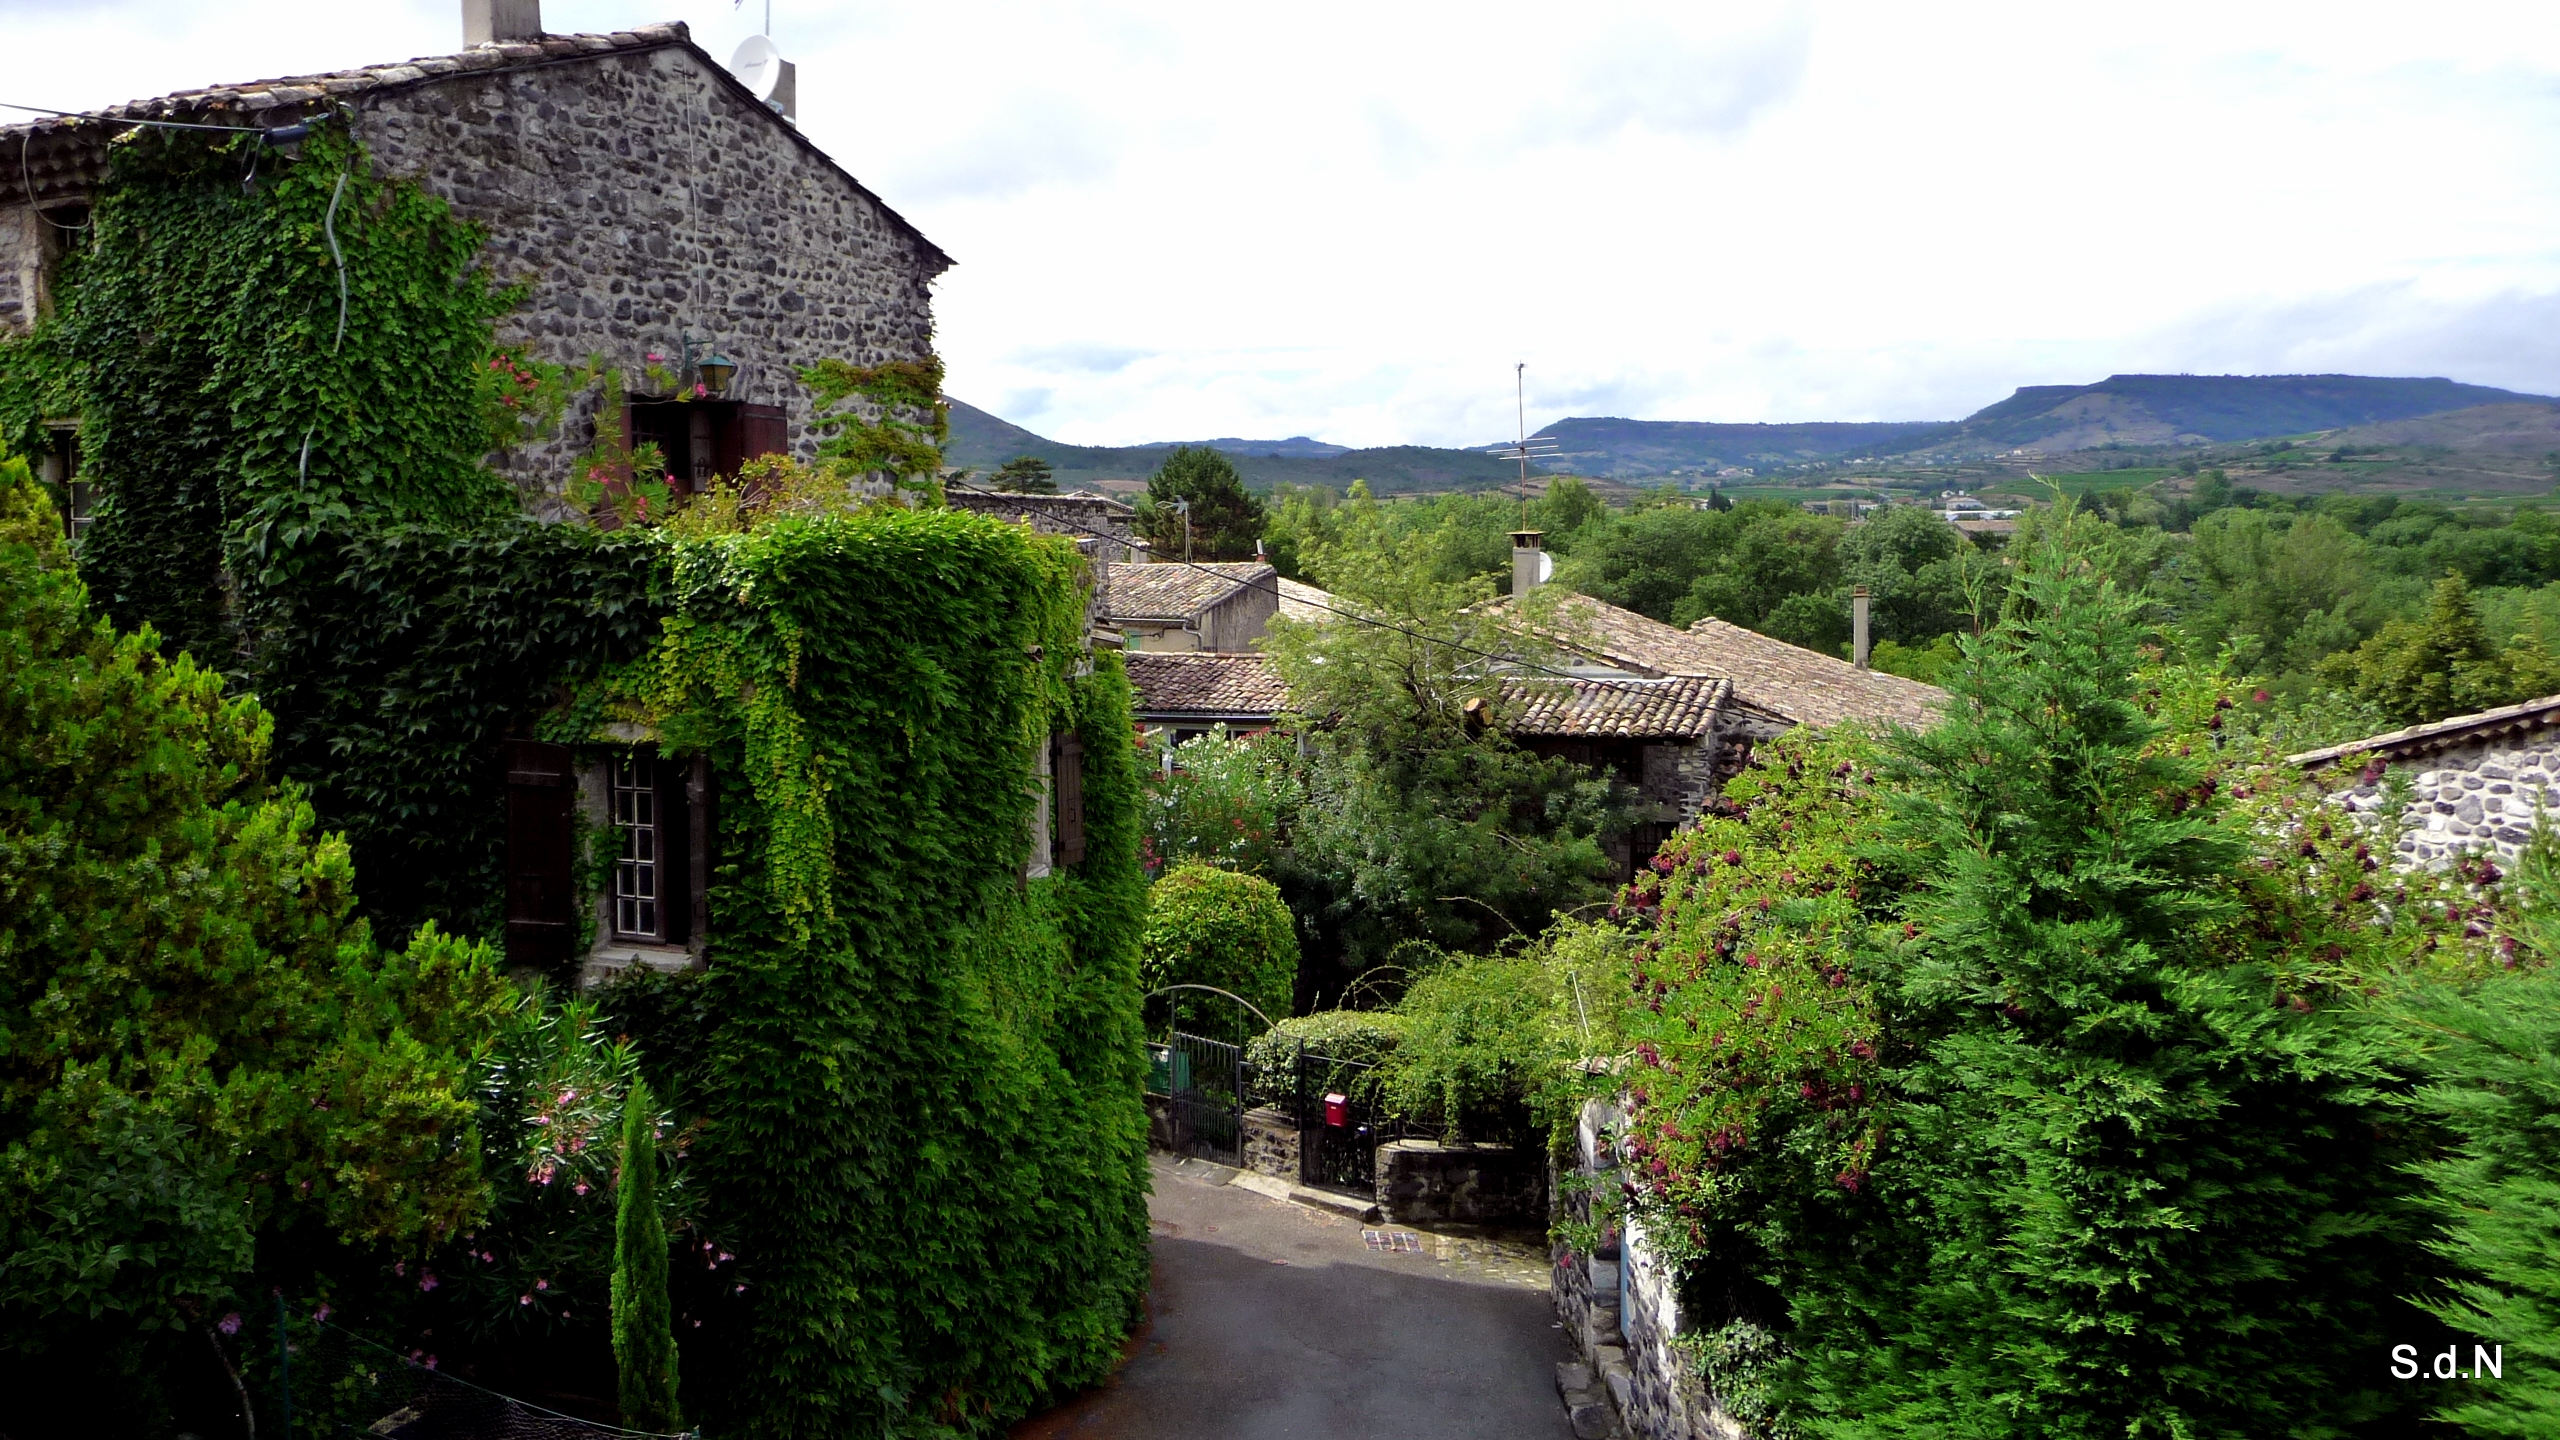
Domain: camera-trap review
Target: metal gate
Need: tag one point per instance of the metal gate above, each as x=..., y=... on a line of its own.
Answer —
x=1203, y=1082
x=1337, y=1123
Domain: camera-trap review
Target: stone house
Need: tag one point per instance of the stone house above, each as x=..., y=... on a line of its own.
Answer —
x=649, y=200
x=2474, y=783
x=1222, y=607
x=1107, y=529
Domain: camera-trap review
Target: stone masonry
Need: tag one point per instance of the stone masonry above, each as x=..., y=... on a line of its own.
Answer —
x=638, y=190
x=2473, y=784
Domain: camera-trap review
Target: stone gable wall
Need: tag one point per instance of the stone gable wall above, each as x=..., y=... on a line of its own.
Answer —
x=641, y=198
x=2478, y=797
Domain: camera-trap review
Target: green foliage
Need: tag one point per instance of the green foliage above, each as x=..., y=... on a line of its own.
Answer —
x=2420, y=670
x=1207, y=926
x=1352, y=1043
x=1225, y=520
x=1416, y=824
x=2493, y=1087
x=1025, y=475
x=1929, y=664
x=1491, y=1043
x=878, y=431
x=209, y=1071
x=224, y=415
x=903, y=1038
x=2019, y=1076
x=644, y=1339
x=1225, y=803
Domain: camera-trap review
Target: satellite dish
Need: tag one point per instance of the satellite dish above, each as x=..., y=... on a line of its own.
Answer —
x=1546, y=567
x=759, y=65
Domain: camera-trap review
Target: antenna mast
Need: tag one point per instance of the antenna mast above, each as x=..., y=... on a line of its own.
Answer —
x=1527, y=447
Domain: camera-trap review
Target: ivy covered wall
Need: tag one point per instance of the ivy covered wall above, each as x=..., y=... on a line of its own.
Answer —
x=927, y=1145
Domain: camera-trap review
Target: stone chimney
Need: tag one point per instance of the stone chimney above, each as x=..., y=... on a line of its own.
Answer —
x=1528, y=561
x=501, y=22
x=1858, y=627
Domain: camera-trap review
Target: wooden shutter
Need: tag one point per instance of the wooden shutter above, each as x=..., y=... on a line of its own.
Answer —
x=1069, y=780
x=542, y=786
x=763, y=430
x=675, y=852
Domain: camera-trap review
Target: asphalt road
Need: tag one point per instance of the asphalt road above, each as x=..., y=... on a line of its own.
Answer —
x=1270, y=1320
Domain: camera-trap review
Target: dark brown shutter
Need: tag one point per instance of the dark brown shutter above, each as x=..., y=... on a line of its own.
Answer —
x=697, y=824
x=1070, y=781
x=763, y=430
x=675, y=850
x=541, y=894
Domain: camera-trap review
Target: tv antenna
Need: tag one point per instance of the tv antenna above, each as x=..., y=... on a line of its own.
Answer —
x=1528, y=447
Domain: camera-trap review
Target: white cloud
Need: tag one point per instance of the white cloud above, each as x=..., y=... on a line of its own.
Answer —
x=1349, y=220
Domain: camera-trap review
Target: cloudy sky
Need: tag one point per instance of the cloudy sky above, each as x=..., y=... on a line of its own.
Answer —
x=1350, y=221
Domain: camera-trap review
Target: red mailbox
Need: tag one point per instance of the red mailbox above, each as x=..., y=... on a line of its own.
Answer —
x=1337, y=1110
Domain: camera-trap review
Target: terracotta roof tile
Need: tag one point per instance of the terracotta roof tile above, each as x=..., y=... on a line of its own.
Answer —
x=1680, y=708
x=1176, y=592
x=1802, y=686
x=1205, y=683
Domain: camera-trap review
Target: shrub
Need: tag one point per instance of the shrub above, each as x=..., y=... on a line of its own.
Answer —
x=1207, y=926
x=1490, y=1041
x=1360, y=1037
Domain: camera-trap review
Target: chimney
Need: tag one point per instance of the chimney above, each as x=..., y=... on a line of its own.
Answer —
x=1528, y=562
x=501, y=22
x=1858, y=626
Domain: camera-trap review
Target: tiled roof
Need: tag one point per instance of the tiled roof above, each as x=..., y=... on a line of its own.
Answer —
x=1802, y=686
x=1301, y=601
x=65, y=156
x=1177, y=592
x=1681, y=708
x=1205, y=683
x=1245, y=686
x=2542, y=714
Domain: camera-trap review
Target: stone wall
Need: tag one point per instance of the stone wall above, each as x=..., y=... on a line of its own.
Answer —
x=2480, y=796
x=1621, y=1308
x=1271, y=1144
x=639, y=193
x=1423, y=1182
x=642, y=197
x=1075, y=515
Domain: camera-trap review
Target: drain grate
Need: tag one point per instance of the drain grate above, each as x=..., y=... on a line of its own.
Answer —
x=1401, y=1241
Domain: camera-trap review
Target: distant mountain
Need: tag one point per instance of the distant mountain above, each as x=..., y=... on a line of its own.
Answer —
x=1627, y=448
x=2208, y=409
x=982, y=442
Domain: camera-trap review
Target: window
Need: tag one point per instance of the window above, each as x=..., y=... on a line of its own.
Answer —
x=639, y=867
x=1067, y=766
x=59, y=468
x=706, y=439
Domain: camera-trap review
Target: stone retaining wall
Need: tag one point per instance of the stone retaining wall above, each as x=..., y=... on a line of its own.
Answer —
x=1271, y=1144
x=1423, y=1182
x=1622, y=1310
x=2480, y=797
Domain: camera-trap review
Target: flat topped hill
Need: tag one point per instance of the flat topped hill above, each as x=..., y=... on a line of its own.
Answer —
x=2212, y=409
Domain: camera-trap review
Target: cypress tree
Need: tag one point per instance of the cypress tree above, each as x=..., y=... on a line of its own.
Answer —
x=2129, y=1193
x=644, y=1338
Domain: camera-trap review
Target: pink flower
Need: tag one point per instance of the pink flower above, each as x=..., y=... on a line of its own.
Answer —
x=579, y=1189
x=229, y=1324
x=323, y=1313
x=541, y=1284
x=399, y=1267
x=655, y=357
x=698, y=390
x=525, y=1299
x=427, y=1280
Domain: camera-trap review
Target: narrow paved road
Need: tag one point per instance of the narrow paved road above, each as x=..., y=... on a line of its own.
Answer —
x=1273, y=1321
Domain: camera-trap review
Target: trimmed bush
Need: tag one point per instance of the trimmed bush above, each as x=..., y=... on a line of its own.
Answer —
x=1207, y=926
x=1364, y=1037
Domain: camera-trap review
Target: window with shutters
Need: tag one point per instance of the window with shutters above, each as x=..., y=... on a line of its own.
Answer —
x=1068, y=765
x=541, y=882
x=706, y=440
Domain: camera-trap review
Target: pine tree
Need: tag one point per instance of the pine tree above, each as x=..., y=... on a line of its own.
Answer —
x=644, y=1339
x=2129, y=1193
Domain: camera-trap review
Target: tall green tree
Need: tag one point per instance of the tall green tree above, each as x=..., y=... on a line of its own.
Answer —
x=209, y=1075
x=1225, y=519
x=2128, y=1192
x=2445, y=664
x=1025, y=475
x=644, y=1328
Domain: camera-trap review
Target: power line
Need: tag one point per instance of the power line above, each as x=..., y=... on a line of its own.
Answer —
x=1631, y=686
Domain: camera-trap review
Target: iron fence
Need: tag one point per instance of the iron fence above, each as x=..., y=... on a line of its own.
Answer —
x=1203, y=1084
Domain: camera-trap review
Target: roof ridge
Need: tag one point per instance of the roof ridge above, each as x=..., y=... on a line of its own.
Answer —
x=2451, y=725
